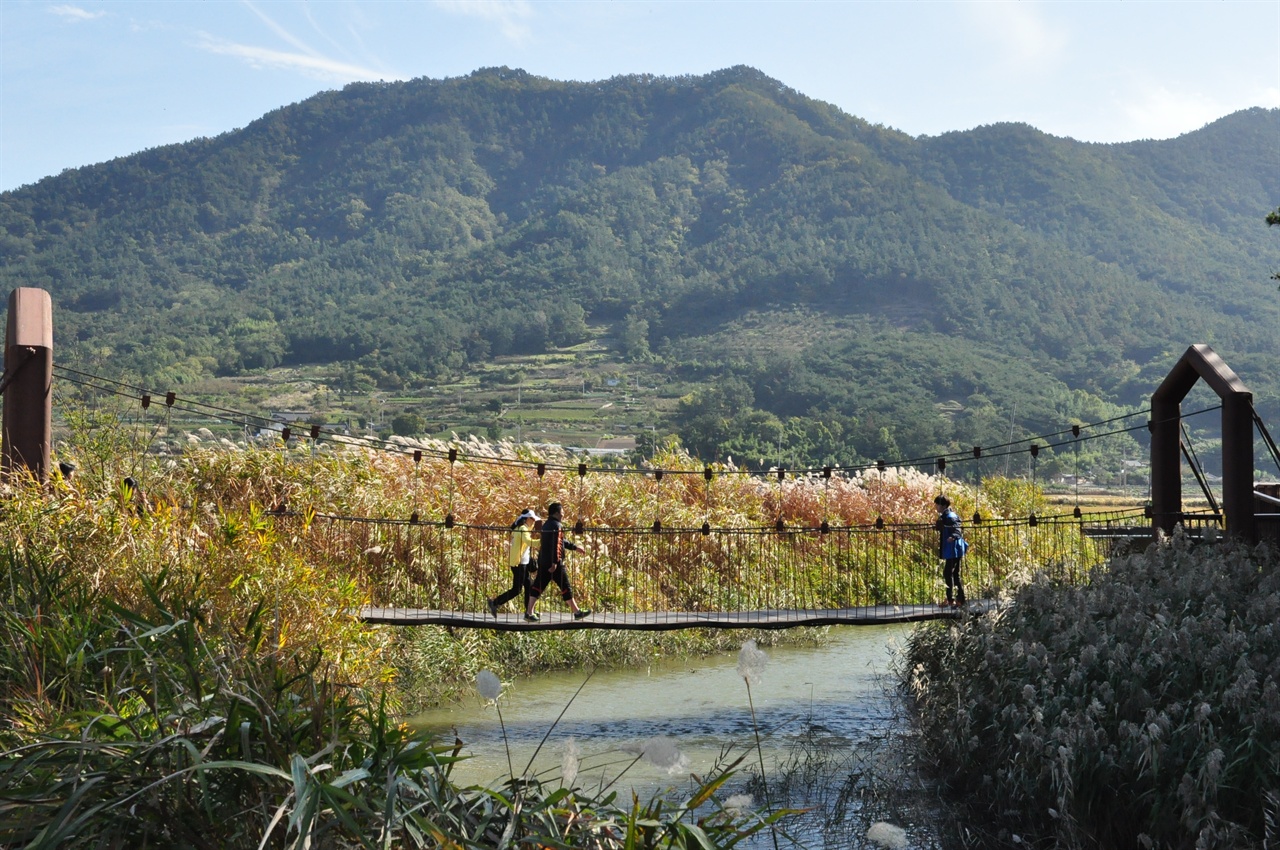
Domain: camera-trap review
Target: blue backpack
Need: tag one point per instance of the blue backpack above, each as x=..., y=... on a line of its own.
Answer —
x=958, y=546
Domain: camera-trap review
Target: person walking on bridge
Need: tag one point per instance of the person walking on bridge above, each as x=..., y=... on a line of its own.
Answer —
x=551, y=548
x=951, y=548
x=518, y=561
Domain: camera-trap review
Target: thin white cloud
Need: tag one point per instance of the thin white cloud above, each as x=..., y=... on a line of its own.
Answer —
x=311, y=64
x=303, y=57
x=319, y=30
x=74, y=13
x=1158, y=112
x=357, y=23
x=284, y=34
x=509, y=15
x=1021, y=33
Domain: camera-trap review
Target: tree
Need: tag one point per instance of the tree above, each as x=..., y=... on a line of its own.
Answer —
x=633, y=341
x=568, y=325
x=407, y=424
x=255, y=344
x=352, y=379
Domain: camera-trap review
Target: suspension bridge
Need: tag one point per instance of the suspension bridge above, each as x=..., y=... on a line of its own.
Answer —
x=807, y=564
x=765, y=578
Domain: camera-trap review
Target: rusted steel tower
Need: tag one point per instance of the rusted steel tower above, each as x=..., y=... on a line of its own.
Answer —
x=27, y=383
x=1201, y=361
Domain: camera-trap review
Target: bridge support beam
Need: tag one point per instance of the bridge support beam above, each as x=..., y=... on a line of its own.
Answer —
x=1201, y=361
x=28, y=384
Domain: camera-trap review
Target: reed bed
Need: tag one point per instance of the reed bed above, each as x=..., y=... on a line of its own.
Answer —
x=313, y=532
x=128, y=729
x=182, y=664
x=1139, y=710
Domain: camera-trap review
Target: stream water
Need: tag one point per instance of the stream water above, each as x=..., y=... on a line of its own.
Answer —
x=819, y=711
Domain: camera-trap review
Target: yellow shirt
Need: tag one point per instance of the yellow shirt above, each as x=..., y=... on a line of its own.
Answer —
x=521, y=543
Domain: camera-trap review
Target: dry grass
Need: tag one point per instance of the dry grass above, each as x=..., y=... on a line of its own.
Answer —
x=183, y=669
x=242, y=521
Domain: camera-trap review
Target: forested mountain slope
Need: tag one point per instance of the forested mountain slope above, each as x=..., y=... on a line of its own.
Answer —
x=422, y=226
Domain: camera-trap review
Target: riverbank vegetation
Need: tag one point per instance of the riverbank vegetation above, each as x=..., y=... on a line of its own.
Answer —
x=180, y=638
x=1139, y=710
x=176, y=672
x=173, y=650
x=313, y=531
x=166, y=725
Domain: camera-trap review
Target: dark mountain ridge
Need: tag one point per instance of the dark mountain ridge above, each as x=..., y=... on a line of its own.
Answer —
x=418, y=227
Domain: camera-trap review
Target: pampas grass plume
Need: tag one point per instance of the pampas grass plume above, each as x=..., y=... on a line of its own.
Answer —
x=661, y=751
x=887, y=835
x=489, y=685
x=569, y=763
x=751, y=662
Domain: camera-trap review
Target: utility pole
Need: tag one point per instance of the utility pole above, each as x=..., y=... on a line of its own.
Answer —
x=1013, y=418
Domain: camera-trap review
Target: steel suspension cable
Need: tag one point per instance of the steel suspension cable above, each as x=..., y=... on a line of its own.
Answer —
x=1266, y=439
x=385, y=445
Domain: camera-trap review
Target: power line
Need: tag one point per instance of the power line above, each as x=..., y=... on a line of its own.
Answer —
x=674, y=531
x=1028, y=445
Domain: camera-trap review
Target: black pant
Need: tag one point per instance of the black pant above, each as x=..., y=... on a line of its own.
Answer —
x=951, y=575
x=546, y=575
x=519, y=582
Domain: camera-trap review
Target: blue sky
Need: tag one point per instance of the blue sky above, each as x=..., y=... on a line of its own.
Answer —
x=83, y=82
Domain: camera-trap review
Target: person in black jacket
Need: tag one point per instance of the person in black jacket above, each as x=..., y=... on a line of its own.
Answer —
x=951, y=548
x=551, y=548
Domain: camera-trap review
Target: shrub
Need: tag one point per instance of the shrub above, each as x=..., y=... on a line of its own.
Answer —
x=134, y=728
x=1140, y=710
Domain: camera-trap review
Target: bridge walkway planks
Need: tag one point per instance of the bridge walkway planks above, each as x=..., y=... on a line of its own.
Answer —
x=668, y=620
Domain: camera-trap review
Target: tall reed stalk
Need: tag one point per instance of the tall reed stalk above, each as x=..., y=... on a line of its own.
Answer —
x=751, y=664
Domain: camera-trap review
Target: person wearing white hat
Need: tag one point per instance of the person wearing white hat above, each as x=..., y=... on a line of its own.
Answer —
x=518, y=560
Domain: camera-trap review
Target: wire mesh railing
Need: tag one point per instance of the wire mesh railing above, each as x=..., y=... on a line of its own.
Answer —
x=670, y=578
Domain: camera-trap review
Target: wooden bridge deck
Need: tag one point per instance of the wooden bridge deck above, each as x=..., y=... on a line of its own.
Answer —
x=668, y=620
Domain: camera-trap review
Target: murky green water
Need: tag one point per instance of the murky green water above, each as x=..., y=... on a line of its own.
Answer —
x=832, y=699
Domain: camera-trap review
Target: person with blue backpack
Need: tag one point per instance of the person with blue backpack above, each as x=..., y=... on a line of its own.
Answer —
x=951, y=548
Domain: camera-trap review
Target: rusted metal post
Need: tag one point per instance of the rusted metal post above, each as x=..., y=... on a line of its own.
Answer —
x=27, y=382
x=1166, y=464
x=1237, y=466
x=1201, y=361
